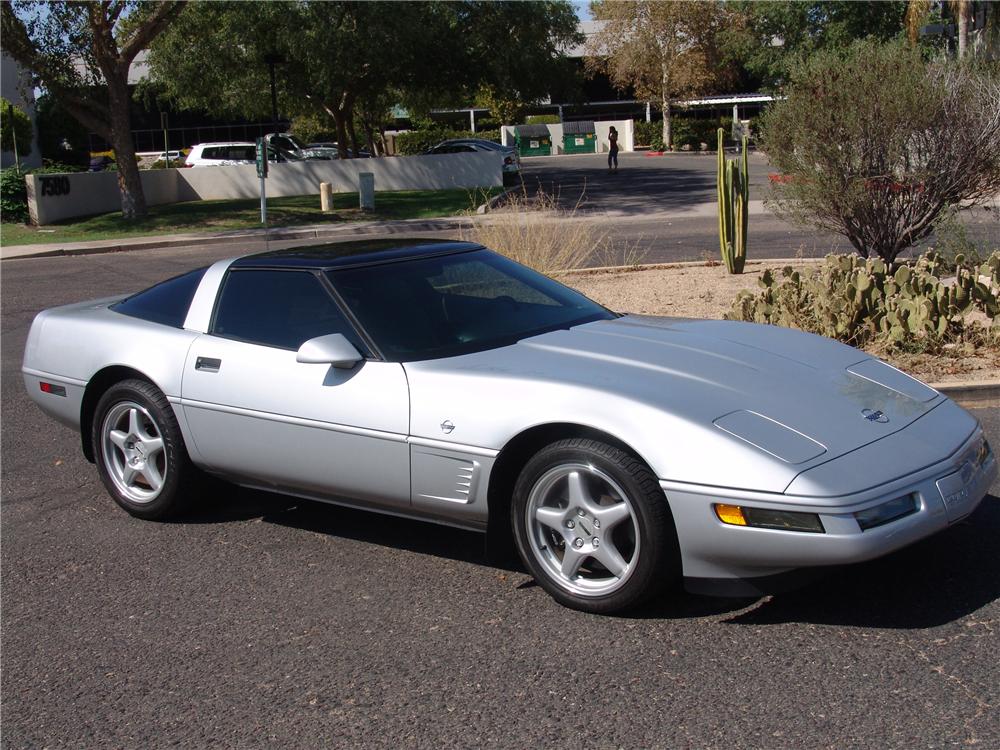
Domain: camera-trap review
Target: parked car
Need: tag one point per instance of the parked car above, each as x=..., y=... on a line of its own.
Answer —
x=221, y=154
x=234, y=153
x=442, y=381
x=330, y=150
x=511, y=159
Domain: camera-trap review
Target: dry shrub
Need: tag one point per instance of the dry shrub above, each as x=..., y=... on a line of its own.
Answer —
x=536, y=232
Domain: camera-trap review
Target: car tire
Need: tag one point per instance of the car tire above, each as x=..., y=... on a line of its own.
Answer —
x=593, y=527
x=139, y=451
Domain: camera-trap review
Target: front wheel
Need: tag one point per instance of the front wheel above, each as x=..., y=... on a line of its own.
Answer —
x=140, y=452
x=593, y=526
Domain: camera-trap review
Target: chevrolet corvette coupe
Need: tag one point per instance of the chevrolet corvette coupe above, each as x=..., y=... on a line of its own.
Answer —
x=442, y=381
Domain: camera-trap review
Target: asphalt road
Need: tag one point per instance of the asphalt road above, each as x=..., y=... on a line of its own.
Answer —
x=264, y=621
x=643, y=205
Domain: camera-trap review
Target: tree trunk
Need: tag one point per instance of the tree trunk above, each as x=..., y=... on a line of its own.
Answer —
x=354, y=134
x=340, y=121
x=667, y=114
x=964, y=10
x=665, y=97
x=129, y=182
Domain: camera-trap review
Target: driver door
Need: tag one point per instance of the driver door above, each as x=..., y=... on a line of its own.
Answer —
x=260, y=417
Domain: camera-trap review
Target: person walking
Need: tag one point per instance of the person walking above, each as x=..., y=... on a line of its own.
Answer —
x=613, y=151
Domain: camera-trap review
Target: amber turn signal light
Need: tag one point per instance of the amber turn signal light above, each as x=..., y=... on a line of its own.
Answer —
x=731, y=514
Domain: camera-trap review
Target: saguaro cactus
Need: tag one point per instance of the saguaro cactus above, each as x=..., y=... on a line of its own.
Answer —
x=734, y=198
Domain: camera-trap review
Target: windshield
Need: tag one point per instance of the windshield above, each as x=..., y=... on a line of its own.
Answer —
x=439, y=307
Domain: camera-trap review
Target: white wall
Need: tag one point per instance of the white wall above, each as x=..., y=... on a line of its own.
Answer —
x=94, y=193
x=626, y=135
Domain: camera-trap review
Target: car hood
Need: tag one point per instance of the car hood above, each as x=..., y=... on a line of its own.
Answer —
x=739, y=392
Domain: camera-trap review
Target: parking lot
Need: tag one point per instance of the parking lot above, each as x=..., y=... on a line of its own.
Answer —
x=266, y=621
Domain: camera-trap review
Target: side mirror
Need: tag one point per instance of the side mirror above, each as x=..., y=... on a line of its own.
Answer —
x=333, y=349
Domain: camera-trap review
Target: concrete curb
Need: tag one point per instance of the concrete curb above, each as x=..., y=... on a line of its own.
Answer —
x=972, y=394
x=770, y=262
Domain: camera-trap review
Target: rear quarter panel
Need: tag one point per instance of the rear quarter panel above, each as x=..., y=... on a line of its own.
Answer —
x=69, y=345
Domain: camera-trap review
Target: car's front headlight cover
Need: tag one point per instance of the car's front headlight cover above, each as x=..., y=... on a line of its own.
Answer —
x=762, y=518
x=885, y=512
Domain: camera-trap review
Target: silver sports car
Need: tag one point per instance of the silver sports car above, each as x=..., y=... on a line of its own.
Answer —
x=442, y=381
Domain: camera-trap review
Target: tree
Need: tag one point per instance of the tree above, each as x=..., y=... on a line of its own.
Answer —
x=773, y=37
x=664, y=50
x=15, y=129
x=875, y=144
x=340, y=57
x=80, y=53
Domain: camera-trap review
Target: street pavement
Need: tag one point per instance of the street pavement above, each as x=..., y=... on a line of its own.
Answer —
x=264, y=621
x=664, y=206
x=655, y=209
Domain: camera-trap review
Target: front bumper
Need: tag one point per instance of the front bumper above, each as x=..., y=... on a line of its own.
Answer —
x=712, y=550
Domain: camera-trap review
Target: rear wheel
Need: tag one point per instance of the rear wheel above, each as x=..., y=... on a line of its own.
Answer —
x=140, y=452
x=593, y=527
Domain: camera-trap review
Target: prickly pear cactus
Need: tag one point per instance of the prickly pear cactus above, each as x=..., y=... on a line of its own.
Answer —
x=864, y=301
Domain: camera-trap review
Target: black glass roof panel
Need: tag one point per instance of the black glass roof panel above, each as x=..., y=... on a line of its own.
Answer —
x=353, y=253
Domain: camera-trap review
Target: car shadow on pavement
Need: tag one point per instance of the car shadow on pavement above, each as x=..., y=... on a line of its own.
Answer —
x=231, y=503
x=932, y=583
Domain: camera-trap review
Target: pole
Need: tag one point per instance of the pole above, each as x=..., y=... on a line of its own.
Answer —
x=262, y=173
x=274, y=100
x=263, y=202
x=166, y=144
x=271, y=59
x=13, y=134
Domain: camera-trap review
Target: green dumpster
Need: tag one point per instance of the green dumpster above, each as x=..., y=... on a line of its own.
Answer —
x=533, y=140
x=579, y=138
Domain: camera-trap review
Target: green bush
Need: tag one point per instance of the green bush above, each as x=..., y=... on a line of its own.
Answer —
x=646, y=132
x=683, y=132
x=14, y=194
x=918, y=307
x=542, y=120
x=310, y=128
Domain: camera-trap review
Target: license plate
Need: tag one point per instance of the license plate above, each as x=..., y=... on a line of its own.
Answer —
x=963, y=490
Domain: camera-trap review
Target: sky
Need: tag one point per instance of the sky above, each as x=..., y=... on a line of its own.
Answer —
x=582, y=9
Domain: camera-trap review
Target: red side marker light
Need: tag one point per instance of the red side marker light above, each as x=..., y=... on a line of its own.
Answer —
x=55, y=390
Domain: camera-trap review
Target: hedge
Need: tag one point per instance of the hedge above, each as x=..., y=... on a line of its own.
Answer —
x=415, y=142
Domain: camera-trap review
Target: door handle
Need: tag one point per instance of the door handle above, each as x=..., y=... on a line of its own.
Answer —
x=207, y=364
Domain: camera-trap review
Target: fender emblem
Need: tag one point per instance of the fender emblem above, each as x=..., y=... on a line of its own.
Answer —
x=875, y=416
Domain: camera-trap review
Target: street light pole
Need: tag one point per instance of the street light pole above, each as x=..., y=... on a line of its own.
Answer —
x=271, y=59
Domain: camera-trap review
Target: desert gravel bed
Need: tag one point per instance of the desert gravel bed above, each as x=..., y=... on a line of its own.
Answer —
x=701, y=290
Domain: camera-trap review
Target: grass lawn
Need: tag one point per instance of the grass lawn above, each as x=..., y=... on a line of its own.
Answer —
x=221, y=216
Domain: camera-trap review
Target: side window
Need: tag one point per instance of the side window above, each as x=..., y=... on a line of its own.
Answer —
x=282, y=309
x=165, y=303
x=211, y=153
